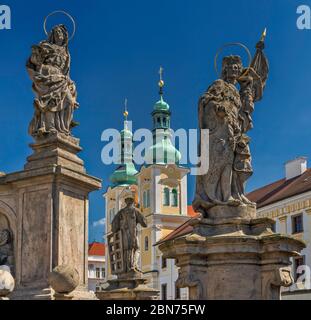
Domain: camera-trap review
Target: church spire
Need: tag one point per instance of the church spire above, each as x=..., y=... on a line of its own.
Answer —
x=125, y=113
x=125, y=173
x=161, y=82
x=162, y=151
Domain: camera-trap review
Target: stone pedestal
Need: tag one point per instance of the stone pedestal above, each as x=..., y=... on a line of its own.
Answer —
x=128, y=289
x=227, y=257
x=49, y=216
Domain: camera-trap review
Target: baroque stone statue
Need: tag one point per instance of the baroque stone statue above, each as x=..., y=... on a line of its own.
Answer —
x=226, y=110
x=56, y=95
x=125, y=224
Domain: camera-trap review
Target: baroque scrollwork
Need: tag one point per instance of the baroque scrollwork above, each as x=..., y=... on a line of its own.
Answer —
x=190, y=280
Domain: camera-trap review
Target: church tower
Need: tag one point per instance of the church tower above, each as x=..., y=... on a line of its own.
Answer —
x=126, y=171
x=162, y=187
x=123, y=177
x=162, y=151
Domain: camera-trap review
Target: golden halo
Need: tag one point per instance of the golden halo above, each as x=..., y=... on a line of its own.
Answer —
x=231, y=44
x=66, y=14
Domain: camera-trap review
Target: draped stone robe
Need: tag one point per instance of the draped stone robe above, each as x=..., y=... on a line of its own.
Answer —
x=126, y=221
x=226, y=112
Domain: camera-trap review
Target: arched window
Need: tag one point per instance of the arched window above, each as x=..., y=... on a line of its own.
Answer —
x=144, y=199
x=174, y=198
x=166, y=197
x=148, y=198
x=146, y=243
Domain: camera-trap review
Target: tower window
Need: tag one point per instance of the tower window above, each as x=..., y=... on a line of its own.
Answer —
x=148, y=198
x=166, y=197
x=174, y=198
x=146, y=243
x=145, y=199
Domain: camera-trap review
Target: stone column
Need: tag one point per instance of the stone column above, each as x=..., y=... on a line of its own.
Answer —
x=233, y=258
x=52, y=213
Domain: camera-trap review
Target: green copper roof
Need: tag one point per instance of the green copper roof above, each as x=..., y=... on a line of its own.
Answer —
x=125, y=133
x=161, y=105
x=163, y=152
x=124, y=175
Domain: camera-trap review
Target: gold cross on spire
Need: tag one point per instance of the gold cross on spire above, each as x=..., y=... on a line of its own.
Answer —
x=161, y=82
x=125, y=113
x=161, y=73
x=263, y=35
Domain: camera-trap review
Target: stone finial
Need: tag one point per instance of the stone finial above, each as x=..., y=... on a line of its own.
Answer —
x=64, y=279
x=7, y=282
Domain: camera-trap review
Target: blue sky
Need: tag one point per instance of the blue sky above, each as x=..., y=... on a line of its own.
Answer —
x=116, y=53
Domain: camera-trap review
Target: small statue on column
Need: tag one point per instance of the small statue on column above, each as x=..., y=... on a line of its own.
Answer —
x=123, y=252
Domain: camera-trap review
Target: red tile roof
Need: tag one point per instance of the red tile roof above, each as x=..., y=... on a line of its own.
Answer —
x=281, y=189
x=97, y=249
x=191, y=212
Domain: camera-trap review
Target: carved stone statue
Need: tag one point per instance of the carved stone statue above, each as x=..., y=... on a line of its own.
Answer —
x=48, y=68
x=125, y=223
x=226, y=110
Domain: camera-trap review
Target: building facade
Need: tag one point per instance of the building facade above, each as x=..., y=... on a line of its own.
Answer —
x=288, y=202
x=161, y=195
x=96, y=265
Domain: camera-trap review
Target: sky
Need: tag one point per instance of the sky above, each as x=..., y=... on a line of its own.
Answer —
x=116, y=53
